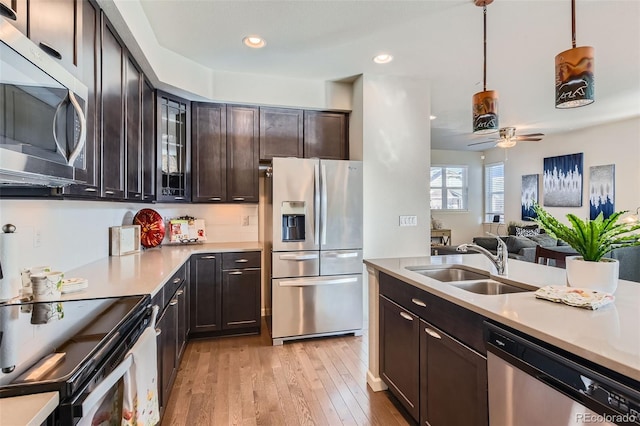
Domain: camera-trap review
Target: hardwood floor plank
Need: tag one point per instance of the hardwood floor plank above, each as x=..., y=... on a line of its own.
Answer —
x=244, y=380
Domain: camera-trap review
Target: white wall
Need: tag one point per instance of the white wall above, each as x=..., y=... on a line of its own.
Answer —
x=468, y=224
x=396, y=154
x=617, y=143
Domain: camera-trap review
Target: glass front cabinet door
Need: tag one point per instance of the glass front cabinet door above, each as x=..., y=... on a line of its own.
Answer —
x=174, y=143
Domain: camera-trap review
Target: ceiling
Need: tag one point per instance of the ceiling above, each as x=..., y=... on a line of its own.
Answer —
x=437, y=40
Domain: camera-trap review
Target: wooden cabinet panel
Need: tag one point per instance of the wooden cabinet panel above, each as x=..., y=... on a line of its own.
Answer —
x=242, y=153
x=280, y=133
x=241, y=298
x=174, y=148
x=113, y=152
x=148, y=143
x=133, y=134
x=453, y=381
x=52, y=26
x=16, y=12
x=205, y=293
x=209, y=130
x=167, y=346
x=326, y=135
x=399, y=354
x=182, y=295
x=90, y=59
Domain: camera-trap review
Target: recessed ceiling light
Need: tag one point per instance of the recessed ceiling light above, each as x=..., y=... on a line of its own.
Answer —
x=254, y=42
x=432, y=117
x=383, y=58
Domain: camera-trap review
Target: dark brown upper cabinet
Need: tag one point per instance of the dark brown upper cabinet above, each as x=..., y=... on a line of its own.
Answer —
x=148, y=142
x=280, y=133
x=326, y=135
x=16, y=12
x=133, y=131
x=90, y=57
x=113, y=147
x=174, y=148
x=54, y=25
x=242, y=153
x=209, y=148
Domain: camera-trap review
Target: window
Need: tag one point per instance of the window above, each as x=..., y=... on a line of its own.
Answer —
x=449, y=188
x=494, y=192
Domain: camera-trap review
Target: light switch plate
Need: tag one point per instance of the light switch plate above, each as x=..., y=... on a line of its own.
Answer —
x=408, y=220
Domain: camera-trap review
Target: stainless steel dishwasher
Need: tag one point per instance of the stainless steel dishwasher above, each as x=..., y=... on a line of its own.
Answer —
x=532, y=383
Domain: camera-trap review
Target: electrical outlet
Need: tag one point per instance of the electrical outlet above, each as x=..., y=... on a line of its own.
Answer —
x=245, y=220
x=37, y=238
x=408, y=220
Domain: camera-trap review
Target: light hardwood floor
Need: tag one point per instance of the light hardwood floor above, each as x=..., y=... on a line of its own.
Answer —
x=246, y=381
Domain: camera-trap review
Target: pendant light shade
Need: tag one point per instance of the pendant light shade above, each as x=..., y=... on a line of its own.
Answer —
x=575, y=73
x=485, y=103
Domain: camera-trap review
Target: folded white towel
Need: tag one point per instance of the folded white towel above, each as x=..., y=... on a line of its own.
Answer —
x=140, y=402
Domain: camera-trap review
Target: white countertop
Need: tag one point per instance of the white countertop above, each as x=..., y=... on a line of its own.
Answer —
x=27, y=410
x=142, y=273
x=609, y=336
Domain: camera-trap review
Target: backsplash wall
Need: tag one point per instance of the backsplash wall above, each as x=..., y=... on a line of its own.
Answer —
x=74, y=233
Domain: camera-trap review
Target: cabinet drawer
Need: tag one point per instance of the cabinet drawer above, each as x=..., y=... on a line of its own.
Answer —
x=174, y=282
x=241, y=260
x=460, y=322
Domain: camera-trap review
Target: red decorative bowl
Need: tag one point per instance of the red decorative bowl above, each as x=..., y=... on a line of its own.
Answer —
x=151, y=227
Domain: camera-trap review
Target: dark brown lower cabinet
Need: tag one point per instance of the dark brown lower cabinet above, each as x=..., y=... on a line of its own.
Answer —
x=241, y=298
x=205, y=293
x=399, y=354
x=167, y=325
x=453, y=381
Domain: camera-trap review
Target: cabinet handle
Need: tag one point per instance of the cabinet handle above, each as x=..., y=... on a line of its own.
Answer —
x=419, y=302
x=406, y=316
x=238, y=198
x=50, y=50
x=90, y=190
x=176, y=280
x=432, y=333
x=179, y=292
x=208, y=257
x=235, y=273
x=158, y=331
x=137, y=195
x=178, y=198
x=109, y=192
x=242, y=260
x=173, y=302
x=7, y=11
x=215, y=199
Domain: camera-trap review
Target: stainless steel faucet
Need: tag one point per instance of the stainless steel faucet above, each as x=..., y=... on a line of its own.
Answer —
x=499, y=260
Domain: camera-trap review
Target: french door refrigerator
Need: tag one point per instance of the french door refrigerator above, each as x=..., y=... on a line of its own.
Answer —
x=314, y=233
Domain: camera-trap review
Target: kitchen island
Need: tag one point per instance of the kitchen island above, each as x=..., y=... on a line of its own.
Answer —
x=609, y=337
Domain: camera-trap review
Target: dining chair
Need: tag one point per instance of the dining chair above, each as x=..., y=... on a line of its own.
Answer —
x=546, y=255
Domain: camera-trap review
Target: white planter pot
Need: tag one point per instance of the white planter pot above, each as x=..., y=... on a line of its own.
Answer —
x=601, y=276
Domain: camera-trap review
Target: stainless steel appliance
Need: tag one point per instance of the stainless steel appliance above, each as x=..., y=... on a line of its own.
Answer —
x=84, y=364
x=532, y=383
x=314, y=233
x=42, y=115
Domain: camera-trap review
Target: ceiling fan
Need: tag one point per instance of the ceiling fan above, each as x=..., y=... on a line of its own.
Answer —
x=508, y=138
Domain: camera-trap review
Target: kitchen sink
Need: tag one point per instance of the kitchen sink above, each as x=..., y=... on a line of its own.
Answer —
x=489, y=287
x=451, y=274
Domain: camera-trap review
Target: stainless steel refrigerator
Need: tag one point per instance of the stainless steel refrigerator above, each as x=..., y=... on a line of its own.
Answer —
x=313, y=226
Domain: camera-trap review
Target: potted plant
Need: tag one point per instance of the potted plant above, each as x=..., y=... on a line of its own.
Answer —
x=592, y=239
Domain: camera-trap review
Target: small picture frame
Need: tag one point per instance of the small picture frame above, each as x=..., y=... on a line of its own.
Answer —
x=124, y=240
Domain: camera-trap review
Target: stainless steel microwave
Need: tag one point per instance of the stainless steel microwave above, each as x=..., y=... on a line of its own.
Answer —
x=42, y=115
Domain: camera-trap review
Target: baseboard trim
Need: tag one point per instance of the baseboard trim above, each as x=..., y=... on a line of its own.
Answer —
x=375, y=383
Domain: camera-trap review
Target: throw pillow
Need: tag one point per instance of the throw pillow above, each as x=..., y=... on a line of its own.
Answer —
x=515, y=243
x=490, y=243
x=527, y=231
x=545, y=240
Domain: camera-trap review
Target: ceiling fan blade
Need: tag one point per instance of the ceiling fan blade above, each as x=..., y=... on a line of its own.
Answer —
x=480, y=143
x=526, y=139
x=532, y=135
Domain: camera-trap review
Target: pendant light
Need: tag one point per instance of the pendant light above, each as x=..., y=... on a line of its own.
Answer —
x=485, y=103
x=574, y=72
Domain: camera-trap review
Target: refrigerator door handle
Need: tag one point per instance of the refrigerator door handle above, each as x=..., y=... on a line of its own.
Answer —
x=343, y=255
x=298, y=256
x=323, y=205
x=314, y=282
x=316, y=207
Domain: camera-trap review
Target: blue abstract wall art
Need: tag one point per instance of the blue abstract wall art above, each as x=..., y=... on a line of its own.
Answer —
x=562, y=181
x=601, y=190
x=529, y=196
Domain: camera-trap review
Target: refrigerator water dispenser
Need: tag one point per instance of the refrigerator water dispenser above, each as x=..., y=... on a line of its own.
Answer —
x=293, y=218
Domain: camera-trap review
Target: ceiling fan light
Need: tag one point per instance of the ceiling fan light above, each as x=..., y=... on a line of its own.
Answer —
x=485, y=112
x=574, y=77
x=506, y=143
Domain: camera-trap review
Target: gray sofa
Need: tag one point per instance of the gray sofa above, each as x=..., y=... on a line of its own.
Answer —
x=524, y=248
